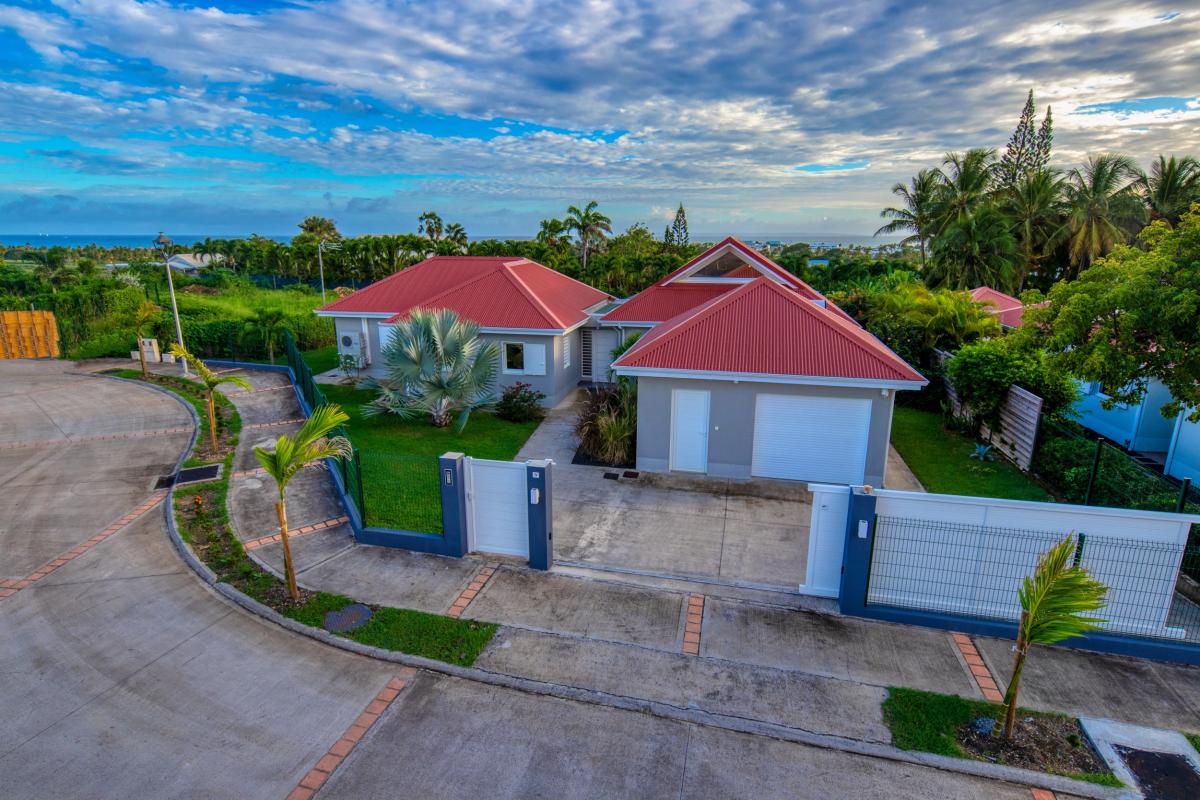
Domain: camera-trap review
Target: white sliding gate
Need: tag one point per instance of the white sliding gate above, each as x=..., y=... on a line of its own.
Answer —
x=497, y=507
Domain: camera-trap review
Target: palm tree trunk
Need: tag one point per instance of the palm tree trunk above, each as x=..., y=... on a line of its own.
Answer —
x=1014, y=684
x=212, y=420
x=922, y=241
x=288, y=570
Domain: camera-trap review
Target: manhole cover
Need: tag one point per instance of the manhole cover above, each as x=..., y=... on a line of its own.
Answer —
x=347, y=619
x=190, y=475
x=1162, y=776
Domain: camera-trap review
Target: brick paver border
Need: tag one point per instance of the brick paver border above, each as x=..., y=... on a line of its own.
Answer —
x=111, y=437
x=10, y=587
x=691, y=627
x=474, y=588
x=983, y=677
x=333, y=759
x=263, y=541
x=1042, y=794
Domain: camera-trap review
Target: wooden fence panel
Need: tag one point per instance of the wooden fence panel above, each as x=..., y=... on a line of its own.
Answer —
x=28, y=334
x=1019, y=418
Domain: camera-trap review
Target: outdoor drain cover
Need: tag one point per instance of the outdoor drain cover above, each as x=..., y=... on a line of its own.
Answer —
x=1162, y=776
x=347, y=619
x=190, y=475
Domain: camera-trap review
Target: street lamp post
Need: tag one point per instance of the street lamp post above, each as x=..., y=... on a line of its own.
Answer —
x=163, y=245
x=323, y=245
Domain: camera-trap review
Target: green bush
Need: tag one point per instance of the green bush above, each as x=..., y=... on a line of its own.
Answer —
x=983, y=371
x=607, y=425
x=116, y=344
x=520, y=402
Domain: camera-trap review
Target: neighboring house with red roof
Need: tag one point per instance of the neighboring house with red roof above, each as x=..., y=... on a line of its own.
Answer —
x=746, y=371
x=1006, y=308
x=533, y=313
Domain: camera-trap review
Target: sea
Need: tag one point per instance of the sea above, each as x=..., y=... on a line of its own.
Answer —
x=106, y=240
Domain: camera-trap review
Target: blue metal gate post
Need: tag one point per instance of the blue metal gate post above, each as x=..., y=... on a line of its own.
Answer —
x=856, y=559
x=452, y=481
x=540, y=484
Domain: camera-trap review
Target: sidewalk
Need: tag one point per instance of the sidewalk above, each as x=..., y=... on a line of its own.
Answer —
x=760, y=657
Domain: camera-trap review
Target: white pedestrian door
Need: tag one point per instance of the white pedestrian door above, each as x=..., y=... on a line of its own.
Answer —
x=497, y=508
x=821, y=439
x=689, y=430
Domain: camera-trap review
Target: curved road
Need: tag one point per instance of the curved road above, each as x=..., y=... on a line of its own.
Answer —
x=125, y=676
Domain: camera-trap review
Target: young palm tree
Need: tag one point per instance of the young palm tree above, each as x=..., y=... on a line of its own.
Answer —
x=591, y=226
x=436, y=365
x=948, y=319
x=1054, y=601
x=146, y=313
x=1103, y=208
x=311, y=443
x=1035, y=207
x=916, y=212
x=975, y=249
x=211, y=381
x=1171, y=187
x=268, y=325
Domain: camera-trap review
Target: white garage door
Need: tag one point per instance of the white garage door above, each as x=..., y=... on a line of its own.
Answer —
x=496, y=501
x=821, y=439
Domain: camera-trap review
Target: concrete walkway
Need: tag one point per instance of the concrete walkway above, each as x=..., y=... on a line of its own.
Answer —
x=761, y=655
x=125, y=676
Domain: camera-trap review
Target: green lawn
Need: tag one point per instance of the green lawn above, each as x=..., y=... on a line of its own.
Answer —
x=941, y=460
x=399, y=458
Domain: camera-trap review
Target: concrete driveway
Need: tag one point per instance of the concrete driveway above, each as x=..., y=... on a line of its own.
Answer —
x=742, y=533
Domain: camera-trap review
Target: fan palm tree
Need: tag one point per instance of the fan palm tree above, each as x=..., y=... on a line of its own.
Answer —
x=553, y=232
x=436, y=365
x=1035, y=208
x=1171, y=187
x=1054, y=601
x=1103, y=209
x=590, y=224
x=975, y=249
x=311, y=443
x=966, y=182
x=146, y=313
x=211, y=381
x=916, y=212
x=268, y=325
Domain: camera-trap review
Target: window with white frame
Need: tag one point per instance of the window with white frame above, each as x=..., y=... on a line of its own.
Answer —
x=523, y=358
x=566, y=352
x=514, y=357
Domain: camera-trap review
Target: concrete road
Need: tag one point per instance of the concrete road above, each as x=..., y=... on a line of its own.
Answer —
x=125, y=676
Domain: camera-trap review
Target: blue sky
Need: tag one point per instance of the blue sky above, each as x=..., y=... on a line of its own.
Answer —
x=762, y=117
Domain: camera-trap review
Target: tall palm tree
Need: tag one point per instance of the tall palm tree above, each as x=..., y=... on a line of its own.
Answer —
x=211, y=381
x=1103, y=209
x=1035, y=207
x=975, y=249
x=966, y=182
x=1171, y=187
x=456, y=234
x=552, y=232
x=916, y=212
x=436, y=365
x=430, y=226
x=591, y=226
x=311, y=443
x=146, y=313
x=1054, y=601
x=268, y=325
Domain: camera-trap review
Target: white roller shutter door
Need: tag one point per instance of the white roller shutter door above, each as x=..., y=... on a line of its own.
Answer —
x=822, y=439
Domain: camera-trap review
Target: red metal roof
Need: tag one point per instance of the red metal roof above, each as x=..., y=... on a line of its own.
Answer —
x=673, y=295
x=495, y=292
x=1007, y=309
x=763, y=328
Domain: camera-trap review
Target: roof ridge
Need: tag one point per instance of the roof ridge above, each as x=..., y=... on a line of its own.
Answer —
x=455, y=287
x=507, y=268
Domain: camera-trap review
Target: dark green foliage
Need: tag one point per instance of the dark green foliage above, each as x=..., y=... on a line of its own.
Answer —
x=607, y=425
x=982, y=372
x=520, y=402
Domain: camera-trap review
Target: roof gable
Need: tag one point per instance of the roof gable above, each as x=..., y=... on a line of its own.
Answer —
x=743, y=262
x=762, y=328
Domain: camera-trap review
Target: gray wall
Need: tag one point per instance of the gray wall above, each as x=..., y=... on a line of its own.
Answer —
x=731, y=423
x=556, y=384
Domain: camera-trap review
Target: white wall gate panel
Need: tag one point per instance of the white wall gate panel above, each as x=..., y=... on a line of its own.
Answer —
x=497, y=507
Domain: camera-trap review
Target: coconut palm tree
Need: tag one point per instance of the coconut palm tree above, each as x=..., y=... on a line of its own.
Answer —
x=1171, y=187
x=966, y=182
x=553, y=232
x=1035, y=208
x=456, y=235
x=975, y=249
x=430, y=226
x=916, y=212
x=211, y=381
x=591, y=226
x=311, y=443
x=1103, y=209
x=268, y=325
x=436, y=365
x=1054, y=601
x=146, y=313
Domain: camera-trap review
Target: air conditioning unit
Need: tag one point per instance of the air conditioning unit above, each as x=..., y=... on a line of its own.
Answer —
x=351, y=344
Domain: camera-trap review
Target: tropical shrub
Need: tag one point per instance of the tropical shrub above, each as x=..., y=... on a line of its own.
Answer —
x=982, y=372
x=520, y=402
x=607, y=425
